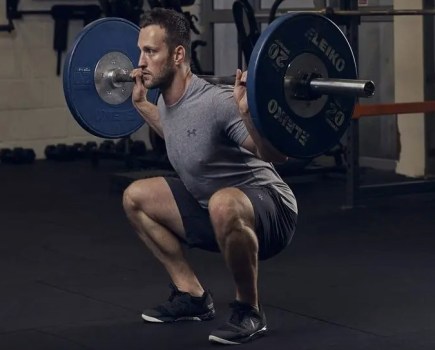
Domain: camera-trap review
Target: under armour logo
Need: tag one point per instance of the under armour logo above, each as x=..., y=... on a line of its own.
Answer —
x=191, y=132
x=260, y=196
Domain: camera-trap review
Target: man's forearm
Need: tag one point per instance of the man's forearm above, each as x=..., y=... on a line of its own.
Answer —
x=150, y=113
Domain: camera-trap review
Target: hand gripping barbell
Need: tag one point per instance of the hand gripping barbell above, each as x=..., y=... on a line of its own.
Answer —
x=302, y=82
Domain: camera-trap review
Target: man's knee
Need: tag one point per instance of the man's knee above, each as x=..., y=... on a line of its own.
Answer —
x=129, y=198
x=140, y=194
x=153, y=199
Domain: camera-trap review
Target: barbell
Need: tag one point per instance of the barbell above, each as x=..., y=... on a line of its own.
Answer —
x=302, y=82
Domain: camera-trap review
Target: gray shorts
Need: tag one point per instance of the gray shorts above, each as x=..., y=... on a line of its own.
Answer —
x=275, y=223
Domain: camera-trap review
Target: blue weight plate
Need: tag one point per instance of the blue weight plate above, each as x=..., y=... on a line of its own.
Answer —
x=67, y=97
x=91, y=112
x=285, y=39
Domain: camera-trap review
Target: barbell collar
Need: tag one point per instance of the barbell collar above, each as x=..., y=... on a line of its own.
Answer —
x=120, y=76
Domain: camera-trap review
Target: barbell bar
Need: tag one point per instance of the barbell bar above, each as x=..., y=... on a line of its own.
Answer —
x=316, y=86
x=302, y=87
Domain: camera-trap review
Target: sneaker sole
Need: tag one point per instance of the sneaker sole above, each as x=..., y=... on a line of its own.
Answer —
x=208, y=316
x=261, y=332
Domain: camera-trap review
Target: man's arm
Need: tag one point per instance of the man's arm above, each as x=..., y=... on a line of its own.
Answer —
x=147, y=110
x=254, y=143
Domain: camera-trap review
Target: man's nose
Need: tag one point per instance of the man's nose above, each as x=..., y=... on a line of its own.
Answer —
x=142, y=61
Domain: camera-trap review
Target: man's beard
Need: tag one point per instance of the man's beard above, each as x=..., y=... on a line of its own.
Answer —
x=164, y=78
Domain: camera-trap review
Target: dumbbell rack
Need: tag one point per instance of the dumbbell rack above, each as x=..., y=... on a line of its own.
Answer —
x=134, y=154
x=17, y=155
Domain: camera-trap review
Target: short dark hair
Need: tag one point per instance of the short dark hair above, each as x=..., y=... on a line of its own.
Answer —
x=176, y=25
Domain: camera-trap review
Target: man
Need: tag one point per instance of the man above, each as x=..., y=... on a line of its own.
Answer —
x=228, y=198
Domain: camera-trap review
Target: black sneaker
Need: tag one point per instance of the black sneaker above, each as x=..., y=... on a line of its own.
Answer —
x=181, y=306
x=245, y=324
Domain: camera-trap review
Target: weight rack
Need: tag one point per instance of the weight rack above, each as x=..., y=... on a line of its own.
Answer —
x=355, y=191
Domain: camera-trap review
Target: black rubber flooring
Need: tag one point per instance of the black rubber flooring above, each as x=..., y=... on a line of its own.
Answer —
x=75, y=276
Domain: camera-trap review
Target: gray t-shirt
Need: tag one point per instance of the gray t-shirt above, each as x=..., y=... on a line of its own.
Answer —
x=203, y=133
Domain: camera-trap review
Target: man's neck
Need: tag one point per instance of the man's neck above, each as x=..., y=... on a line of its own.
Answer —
x=178, y=87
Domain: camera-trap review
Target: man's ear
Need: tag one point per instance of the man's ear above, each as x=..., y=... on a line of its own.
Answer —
x=179, y=55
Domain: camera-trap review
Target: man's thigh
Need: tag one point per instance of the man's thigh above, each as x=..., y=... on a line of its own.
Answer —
x=275, y=223
x=196, y=220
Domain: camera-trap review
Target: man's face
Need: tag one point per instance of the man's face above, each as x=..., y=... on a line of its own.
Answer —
x=156, y=61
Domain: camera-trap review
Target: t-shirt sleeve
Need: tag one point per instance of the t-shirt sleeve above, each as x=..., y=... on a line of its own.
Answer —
x=229, y=116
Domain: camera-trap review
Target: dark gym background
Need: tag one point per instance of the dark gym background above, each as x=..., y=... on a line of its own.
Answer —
x=75, y=276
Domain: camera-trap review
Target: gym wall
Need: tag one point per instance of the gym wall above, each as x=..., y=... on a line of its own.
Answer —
x=33, y=111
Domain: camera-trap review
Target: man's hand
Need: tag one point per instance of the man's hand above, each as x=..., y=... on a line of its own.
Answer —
x=139, y=93
x=239, y=92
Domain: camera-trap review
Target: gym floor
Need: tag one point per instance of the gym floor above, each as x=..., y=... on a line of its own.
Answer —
x=75, y=276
